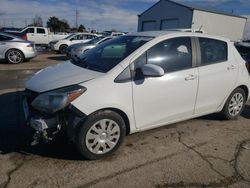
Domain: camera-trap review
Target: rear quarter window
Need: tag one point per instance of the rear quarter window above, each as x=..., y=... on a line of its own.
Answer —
x=213, y=51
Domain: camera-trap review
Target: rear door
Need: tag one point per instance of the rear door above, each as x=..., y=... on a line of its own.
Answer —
x=217, y=74
x=41, y=37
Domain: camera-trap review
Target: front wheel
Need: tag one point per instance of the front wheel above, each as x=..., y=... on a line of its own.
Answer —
x=235, y=104
x=101, y=134
x=63, y=49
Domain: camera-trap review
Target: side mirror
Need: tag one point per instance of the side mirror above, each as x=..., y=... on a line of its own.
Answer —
x=151, y=70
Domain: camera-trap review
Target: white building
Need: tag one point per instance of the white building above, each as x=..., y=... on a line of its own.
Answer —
x=167, y=14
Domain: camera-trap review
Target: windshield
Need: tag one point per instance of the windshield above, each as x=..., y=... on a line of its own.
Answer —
x=108, y=54
x=95, y=40
x=69, y=36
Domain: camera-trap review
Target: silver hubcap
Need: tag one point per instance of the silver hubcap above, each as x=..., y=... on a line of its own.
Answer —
x=103, y=136
x=236, y=104
x=14, y=56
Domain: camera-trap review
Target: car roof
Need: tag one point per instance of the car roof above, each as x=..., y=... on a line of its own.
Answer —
x=156, y=34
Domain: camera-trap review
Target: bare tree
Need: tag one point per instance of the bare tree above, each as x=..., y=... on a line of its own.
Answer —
x=37, y=21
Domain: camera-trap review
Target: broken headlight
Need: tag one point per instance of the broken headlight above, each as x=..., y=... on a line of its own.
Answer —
x=53, y=101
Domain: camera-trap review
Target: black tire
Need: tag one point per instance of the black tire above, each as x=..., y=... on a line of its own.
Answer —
x=63, y=48
x=9, y=56
x=91, y=121
x=226, y=111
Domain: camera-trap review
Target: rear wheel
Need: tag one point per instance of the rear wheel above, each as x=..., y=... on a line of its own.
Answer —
x=63, y=48
x=14, y=56
x=235, y=104
x=101, y=134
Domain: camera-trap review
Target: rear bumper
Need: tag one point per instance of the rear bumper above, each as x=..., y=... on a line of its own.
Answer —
x=30, y=54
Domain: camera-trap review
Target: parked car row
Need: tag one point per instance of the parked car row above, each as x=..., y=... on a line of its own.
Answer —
x=76, y=50
x=62, y=45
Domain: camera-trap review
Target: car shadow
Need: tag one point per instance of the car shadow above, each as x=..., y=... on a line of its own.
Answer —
x=2, y=61
x=246, y=112
x=59, y=58
x=16, y=136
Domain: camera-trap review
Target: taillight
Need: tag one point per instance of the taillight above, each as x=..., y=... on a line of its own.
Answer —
x=24, y=37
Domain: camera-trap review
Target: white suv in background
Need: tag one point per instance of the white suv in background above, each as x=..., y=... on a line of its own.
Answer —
x=133, y=83
x=62, y=45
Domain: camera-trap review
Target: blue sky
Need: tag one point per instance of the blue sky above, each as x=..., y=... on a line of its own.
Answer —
x=100, y=14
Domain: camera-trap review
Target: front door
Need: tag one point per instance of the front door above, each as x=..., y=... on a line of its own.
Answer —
x=172, y=97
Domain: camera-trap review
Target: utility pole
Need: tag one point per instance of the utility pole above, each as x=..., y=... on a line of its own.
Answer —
x=77, y=15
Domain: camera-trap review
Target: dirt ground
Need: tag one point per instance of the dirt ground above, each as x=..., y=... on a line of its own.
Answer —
x=203, y=152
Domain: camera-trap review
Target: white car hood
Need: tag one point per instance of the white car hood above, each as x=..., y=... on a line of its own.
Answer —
x=61, y=75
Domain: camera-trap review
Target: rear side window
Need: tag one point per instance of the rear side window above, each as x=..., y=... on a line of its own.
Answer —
x=213, y=51
x=40, y=31
x=172, y=55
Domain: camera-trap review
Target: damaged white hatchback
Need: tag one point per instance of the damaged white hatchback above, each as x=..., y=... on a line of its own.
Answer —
x=133, y=83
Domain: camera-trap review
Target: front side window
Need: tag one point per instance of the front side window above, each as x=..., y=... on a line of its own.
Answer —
x=110, y=53
x=212, y=51
x=30, y=30
x=172, y=54
x=79, y=37
x=90, y=36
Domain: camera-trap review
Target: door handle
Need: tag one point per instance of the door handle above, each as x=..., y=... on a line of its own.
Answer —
x=2, y=43
x=190, y=77
x=231, y=67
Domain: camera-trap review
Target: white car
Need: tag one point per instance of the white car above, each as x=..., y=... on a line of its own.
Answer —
x=133, y=83
x=38, y=35
x=62, y=45
x=16, y=50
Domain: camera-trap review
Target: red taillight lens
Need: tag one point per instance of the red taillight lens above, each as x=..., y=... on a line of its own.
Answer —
x=24, y=37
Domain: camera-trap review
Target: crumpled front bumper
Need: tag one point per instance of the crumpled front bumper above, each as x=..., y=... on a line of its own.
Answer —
x=47, y=126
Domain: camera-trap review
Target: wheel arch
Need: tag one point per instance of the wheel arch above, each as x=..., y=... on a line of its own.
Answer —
x=122, y=114
x=6, y=51
x=245, y=88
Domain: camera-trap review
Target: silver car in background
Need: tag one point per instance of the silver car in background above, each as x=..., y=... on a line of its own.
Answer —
x=15, y=50
x=74, y=51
